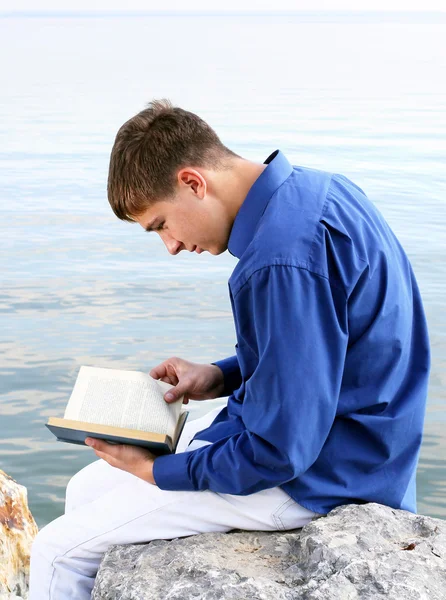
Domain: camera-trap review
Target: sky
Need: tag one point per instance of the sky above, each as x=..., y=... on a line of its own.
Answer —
x=220, y=5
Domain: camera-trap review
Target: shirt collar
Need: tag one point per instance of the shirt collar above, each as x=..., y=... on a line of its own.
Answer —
x=245, y=224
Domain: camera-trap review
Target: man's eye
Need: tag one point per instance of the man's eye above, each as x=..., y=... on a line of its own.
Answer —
x=160, y=226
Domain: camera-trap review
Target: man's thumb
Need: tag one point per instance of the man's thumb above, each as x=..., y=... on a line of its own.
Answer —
x=175, y=393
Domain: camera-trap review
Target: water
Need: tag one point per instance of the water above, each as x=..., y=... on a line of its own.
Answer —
x=354, y=95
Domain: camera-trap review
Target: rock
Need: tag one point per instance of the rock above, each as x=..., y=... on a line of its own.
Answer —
x=17, y=532
x=357, y=552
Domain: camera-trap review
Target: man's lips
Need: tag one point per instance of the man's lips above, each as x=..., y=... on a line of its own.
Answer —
x=196, y=249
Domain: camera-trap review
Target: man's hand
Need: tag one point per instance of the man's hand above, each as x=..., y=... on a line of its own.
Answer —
x=132, y=459
x=194, y=381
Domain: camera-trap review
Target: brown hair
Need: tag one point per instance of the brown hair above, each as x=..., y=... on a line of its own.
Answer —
x=148, y=151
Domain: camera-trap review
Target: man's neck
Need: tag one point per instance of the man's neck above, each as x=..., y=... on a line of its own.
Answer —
x=236, y=182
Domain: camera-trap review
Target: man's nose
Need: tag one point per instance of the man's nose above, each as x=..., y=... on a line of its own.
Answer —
x=172, y=245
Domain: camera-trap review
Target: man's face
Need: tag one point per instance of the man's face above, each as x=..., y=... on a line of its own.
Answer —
x=194, y=221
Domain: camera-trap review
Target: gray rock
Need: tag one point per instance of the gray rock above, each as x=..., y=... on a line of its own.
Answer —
x=360, y=552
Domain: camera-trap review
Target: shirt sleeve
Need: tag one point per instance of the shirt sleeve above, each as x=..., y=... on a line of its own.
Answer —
x=231, y=373
x=291, y=353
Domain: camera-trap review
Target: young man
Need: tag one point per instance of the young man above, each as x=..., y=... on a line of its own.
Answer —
x=328, y=386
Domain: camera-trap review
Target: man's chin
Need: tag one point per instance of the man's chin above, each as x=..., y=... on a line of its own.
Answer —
x=217, y=251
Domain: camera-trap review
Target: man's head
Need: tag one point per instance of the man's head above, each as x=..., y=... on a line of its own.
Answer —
x=170, y=172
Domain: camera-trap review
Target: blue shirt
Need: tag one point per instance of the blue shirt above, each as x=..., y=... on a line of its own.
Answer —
x=329, y=382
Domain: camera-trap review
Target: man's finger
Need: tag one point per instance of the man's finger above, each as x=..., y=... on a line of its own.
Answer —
x=176, y=392
x=103, y=446
x=172, y=380
x=159, y=371
x=108, y=459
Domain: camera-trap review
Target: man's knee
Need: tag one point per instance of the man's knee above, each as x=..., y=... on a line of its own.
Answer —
x=73, y=492
x=79, y=485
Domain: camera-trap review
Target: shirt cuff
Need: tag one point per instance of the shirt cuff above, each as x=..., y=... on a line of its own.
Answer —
x=231, y=374
x=170, y=472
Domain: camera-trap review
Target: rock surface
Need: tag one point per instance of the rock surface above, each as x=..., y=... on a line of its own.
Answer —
x=17, y=531
x=357, y=552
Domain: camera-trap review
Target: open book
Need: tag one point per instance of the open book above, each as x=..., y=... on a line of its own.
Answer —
x=124, y=407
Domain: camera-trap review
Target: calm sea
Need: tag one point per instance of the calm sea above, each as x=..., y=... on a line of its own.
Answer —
x=361, y=96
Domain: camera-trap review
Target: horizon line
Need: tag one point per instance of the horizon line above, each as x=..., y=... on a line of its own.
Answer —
x=220, y=12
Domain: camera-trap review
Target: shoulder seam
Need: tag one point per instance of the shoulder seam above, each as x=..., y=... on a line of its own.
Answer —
x=300, y=267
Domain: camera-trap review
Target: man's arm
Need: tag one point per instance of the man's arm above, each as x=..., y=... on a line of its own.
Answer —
x=231, y=373
x=292, y=361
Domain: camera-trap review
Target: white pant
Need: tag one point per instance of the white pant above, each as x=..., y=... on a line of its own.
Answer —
x=106, y=506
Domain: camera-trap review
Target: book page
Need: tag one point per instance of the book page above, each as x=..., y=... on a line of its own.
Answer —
x=127, y=399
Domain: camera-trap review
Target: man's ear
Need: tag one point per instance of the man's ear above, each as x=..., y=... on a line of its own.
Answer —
x=194, y=180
